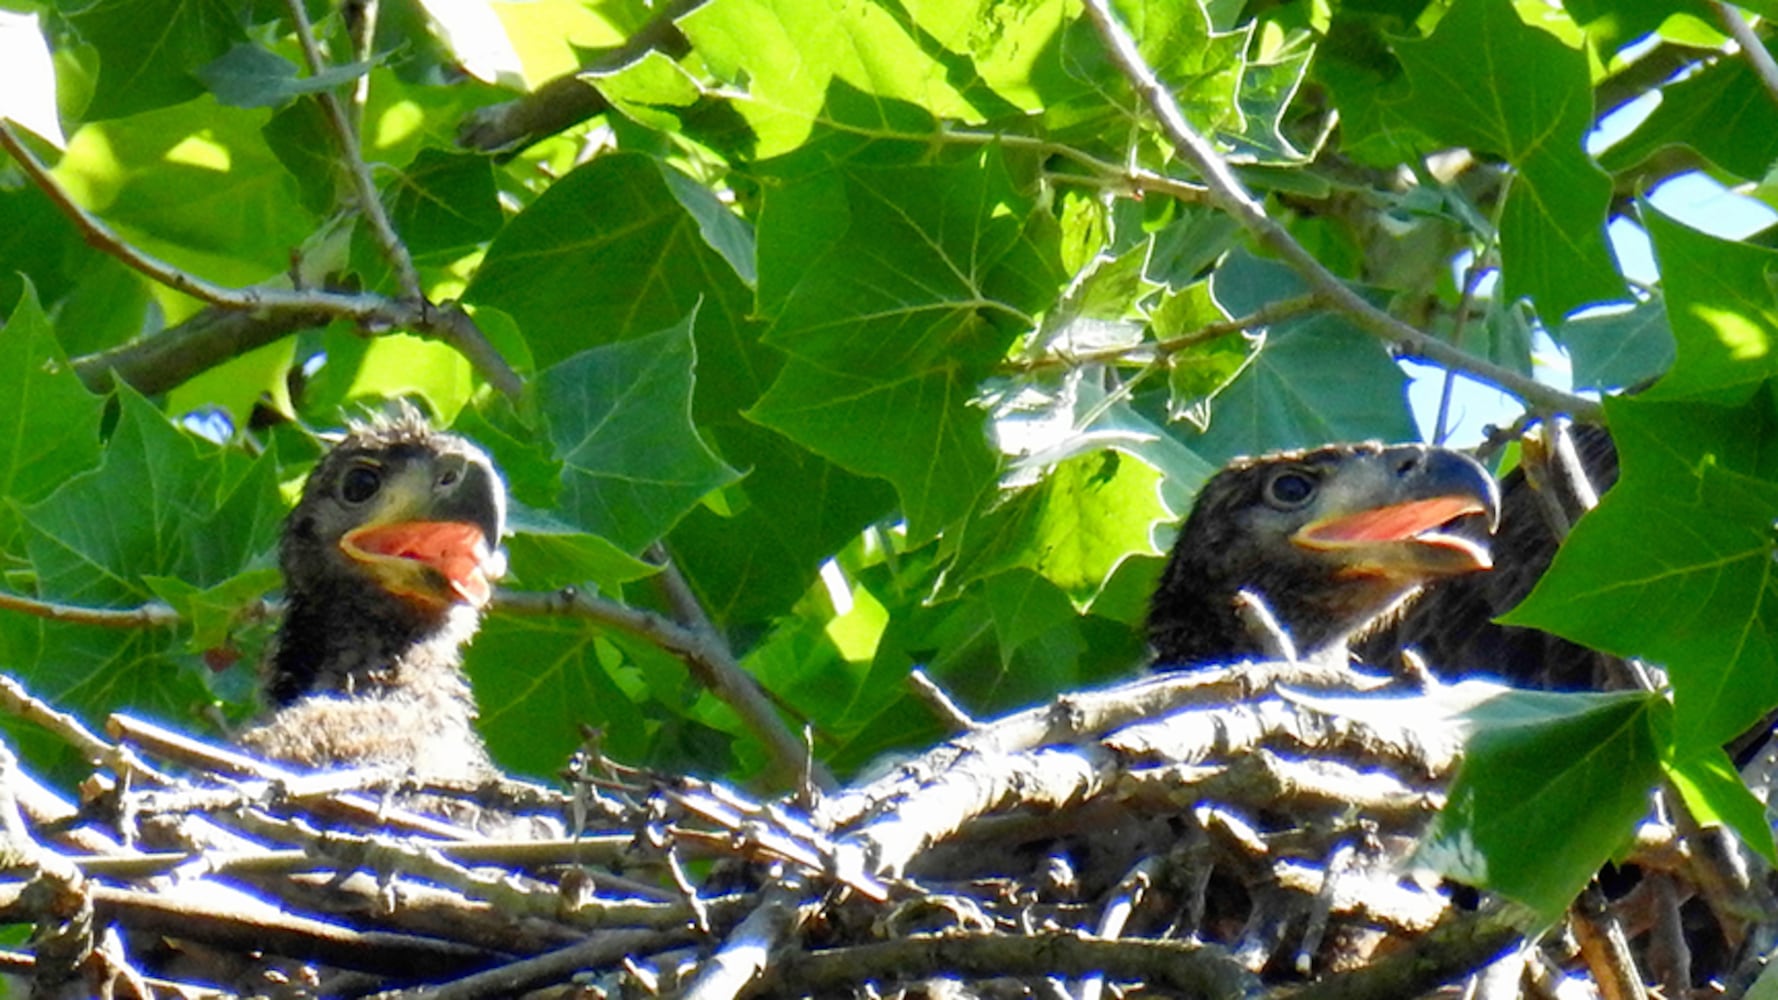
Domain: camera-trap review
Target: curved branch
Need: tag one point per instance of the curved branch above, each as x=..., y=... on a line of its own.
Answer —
x=266, y=313
x=701, y=649
x=1227, y=193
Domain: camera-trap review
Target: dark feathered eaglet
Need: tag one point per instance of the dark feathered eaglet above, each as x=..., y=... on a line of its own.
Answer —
x=1329, y=540
x=388, y=559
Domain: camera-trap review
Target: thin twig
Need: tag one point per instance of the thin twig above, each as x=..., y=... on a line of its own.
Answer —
x=1228, y=194
x=370, y=203
x=1157, y=351
x=1751, y=46
x=935, y=698
x=730, y=682
x=154, y=614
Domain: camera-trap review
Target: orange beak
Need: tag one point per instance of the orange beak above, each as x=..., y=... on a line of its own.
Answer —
x=432, y=562
x=1403, y=539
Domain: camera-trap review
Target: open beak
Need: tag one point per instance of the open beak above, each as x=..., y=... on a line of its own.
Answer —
x=1416, y=536
x=433, y=562
x=435, y=538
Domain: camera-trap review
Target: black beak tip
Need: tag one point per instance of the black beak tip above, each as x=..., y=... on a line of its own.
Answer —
x=1452, y=473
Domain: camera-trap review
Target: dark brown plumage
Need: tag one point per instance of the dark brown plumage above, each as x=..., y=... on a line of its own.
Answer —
x=388, y=559
x=1329, y=540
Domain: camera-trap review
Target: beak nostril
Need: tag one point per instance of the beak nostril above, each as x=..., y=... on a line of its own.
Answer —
x=1406, y=466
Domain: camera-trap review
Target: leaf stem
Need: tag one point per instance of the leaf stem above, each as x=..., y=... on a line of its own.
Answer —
x=1226, y=193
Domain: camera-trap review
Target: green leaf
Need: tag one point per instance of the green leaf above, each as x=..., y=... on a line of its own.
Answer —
x=873, y=260
x=1026, y=607
x=1551, y=785
x=546, y=554
x=248, y=76
x=787, y=516
x=786, y=56
x=1721, y=110
x=885, y=356
x=151, y=50
x=915, y=428
x=1073, y=528
x=444, y=204
x=1717, y=796
x=1315, y=379
x=185, y=515
x=620, y=419
x=49, y=422
x=1620, y=349
x=1723, y=310
x=1490, y=82
x=212, y=612
x=1697, y=590
x=195, y=184
x=611, y=252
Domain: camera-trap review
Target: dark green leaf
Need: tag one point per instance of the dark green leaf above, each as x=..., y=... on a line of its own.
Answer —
x=150, y=51
x=248, y=76
x=49, y=423
x=444, y=204
x=620, y=418
x=1620, y=349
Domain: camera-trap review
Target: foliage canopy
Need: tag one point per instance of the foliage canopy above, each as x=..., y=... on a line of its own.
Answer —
x=901, y=329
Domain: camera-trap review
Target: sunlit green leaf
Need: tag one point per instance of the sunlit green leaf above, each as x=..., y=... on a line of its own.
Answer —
x=1488, y=81
x=1695, y=593
x=1550, y=787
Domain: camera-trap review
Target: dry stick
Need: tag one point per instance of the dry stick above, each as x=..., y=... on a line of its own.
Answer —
x=192, y=753
x=1228, y=195
x=369, y=203
x=597, y=951
x=1751, y=46
x=935, y=698
x=747, y=952
x=1174, y=967
x=154, y=614
x=275, y=306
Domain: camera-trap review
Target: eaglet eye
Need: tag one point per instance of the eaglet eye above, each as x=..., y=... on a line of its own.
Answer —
x=1289, y=489
x=360, y=483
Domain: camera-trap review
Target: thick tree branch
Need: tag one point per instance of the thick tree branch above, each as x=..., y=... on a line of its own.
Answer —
x=568, y=100
x=1228, y=194
x=206, y=343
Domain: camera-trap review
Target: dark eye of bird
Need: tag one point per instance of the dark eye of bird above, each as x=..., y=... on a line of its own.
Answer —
x=1290, y=489
x=448, y=477
x=361, y=482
